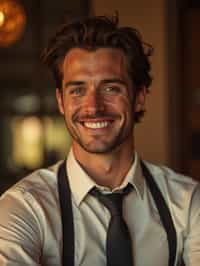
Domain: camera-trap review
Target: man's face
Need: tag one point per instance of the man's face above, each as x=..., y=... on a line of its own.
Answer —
x=97, y=99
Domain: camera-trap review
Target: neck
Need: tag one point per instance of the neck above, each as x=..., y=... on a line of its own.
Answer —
x=106, y=169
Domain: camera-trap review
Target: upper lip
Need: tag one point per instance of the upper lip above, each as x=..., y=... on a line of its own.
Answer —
x=95, y=120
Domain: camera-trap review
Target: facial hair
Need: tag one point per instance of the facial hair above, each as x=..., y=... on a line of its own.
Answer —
x=107, y=147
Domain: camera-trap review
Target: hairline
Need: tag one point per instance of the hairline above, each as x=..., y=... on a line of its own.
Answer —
x=92, y=50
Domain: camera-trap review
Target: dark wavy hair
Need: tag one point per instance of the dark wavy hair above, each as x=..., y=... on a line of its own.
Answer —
x=101, y=32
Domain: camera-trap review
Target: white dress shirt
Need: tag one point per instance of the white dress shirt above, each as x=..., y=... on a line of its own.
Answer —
x=31, y=229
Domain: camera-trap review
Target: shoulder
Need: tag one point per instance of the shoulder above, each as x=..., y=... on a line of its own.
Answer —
x=31, y=213
x=181, y=193
x=39, y=180
x=178, y=190
x=33, y=192
x=164, y=175
x=33, y=199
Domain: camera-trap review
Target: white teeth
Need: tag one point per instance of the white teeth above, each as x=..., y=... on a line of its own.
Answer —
x=96, y=125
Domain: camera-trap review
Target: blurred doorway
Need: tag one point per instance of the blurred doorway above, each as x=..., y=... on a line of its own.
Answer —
x=191, y=85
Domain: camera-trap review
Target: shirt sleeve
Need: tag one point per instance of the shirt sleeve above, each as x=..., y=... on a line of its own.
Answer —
x=20, y=236
x=191, y=253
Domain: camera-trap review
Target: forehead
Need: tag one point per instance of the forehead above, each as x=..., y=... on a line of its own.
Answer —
x=103, y=60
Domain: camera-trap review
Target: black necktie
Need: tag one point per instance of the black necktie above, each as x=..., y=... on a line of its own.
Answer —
x=118, y=244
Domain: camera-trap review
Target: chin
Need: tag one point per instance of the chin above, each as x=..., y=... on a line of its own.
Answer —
x=99, y=149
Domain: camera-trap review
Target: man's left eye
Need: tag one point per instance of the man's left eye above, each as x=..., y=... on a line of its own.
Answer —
x=112, y=89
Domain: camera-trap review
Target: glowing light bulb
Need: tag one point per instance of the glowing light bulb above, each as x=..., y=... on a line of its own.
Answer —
x=12, y=22
x=2, y=18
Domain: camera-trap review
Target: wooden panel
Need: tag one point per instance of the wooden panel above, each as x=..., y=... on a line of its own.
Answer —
x=192, y=92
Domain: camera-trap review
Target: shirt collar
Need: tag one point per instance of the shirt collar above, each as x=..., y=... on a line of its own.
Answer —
x=81, y=183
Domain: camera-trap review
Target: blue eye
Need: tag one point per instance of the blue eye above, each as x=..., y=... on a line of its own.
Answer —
x=76, y=91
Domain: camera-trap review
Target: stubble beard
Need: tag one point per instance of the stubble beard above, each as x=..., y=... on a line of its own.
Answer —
x=105, y=147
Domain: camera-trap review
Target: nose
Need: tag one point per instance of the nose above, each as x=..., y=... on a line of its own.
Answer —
x=93, y=103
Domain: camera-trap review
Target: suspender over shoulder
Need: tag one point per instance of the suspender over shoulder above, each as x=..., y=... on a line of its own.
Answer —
x=67, y=215
x=164, y=212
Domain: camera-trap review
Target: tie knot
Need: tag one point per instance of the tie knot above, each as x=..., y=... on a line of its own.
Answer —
x=112, y=201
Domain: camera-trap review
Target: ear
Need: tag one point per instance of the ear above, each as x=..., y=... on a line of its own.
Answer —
x=59, y=98
x=140, y=100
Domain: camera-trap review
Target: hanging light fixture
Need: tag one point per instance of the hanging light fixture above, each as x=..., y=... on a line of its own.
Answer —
x=12, y=22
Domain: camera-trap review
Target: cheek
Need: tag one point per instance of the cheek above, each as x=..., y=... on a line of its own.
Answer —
x=127, y=108
x=125, y=103
x=69, y=111
x=72, y=109
x=70, y=104
x=120, y=105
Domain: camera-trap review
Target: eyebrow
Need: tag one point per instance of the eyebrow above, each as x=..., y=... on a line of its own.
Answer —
x=114, y=80
x=74, y=83
x=104, y=81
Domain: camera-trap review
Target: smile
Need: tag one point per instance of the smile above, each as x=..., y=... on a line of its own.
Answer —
x=96, y=125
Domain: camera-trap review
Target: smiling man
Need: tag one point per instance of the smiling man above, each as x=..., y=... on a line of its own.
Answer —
x=103, y=205
x=97, y=100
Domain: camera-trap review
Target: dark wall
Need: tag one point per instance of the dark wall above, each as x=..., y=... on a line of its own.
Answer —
x=23, y=76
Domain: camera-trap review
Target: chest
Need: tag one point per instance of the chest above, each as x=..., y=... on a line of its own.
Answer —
x=149, y=239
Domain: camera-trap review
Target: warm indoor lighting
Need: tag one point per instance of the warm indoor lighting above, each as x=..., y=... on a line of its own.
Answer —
x=12, y=22
x=2, y=18
x=32, y=136
x=27, y=142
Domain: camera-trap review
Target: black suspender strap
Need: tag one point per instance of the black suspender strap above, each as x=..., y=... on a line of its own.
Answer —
x=67, y=215
x=164, y=214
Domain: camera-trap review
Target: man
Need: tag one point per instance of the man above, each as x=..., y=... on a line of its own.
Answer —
x=102, y=75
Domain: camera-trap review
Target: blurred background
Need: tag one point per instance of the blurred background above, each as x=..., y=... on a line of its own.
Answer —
x=33, y=134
